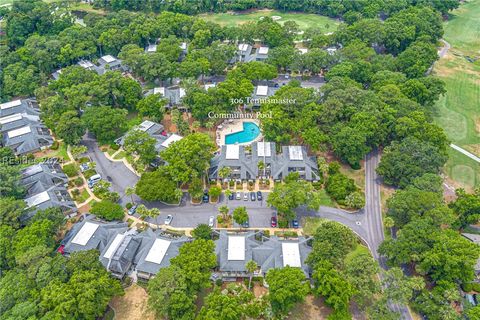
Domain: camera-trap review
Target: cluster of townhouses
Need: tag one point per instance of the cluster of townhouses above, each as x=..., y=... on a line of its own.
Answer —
x=46, y=186
x=260, y=160
x=141, y=255
x=104, y=64
x=21, y=129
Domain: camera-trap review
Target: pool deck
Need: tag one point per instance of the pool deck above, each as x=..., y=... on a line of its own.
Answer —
x=233, y=126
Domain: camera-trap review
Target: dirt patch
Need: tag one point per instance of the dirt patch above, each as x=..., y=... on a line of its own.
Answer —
x=132, y=305
x=312, y=309
x=259, y=290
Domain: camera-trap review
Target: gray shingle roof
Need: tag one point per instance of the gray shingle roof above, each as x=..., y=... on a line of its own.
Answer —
x=45, y=186
x=103, y=234
x=270, y=254
x=118, y=255
x=276, y=165
x=221, y=249
x=148, y=238
x=20, y=127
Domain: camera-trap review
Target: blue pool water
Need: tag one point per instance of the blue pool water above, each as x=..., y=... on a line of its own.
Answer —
x=250, y=132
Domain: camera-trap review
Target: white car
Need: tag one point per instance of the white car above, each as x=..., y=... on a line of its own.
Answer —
x=245, y=196
x=238, y=196
x=168, y=219
x=211, y=221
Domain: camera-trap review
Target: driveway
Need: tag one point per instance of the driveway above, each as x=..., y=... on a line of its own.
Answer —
x=114, y=172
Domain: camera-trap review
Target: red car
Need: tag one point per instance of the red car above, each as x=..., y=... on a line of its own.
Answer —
x=274, y=222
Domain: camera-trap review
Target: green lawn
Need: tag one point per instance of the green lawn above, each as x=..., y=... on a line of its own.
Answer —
x=304, y=20
x=122, y=154
x=463, y=170
x=458, y=111
x=310, y=225
x=325, y=199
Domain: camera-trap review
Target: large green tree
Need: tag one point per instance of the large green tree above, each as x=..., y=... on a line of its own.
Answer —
x=287, y=286
x=167, y=295
x=189, y=157
x=291, y=194
x=105, y=122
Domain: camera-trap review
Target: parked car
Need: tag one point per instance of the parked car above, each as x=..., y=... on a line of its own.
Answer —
x=252, y=196
x=295, y=223
x=246, y=224
x=245, y=196
x=273, y=222
x=238, y=196
x=211, y=221
x=132, y=210
x=259, y=196
x=168, y=219
x=84, y=167
x=205, y=198
x=231, y=196
x=93, y=180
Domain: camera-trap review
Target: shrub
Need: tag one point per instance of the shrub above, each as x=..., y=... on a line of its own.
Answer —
x=78, y=181
x=75, y=192
x=231, y=183
x=129, y=205
x=107, y=210
x=467, y=287
x=83, y=160
x=476, y=286
x=114, y=146
x=70, y=170
x=282, y=222
x=339, y=186
x=55, y=145
x=317, y=185
x=89, y=173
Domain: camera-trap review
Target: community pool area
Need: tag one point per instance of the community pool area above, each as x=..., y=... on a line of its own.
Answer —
x=249, y=133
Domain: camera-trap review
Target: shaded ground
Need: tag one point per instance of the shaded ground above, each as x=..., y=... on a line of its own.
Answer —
x=312, y=309
x=132, y=305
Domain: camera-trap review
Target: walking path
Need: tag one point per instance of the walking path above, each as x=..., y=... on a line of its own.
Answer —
x=465, y=152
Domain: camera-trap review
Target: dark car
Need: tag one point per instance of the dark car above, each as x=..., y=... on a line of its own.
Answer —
x=246, y=224
x=252, y=196
x=274, y=222
x=231, y=196
x=259, y=196
x=205, y=198
x=295, y=223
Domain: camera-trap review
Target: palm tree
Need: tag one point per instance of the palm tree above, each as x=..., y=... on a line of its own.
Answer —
x=228, y=193
x=142, y=211
x=130, y=191
x=154, y=213
x=251, y=266
x=224, y=172
x=224, y=211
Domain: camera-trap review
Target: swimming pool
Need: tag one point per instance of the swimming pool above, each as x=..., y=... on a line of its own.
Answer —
x=249, y=133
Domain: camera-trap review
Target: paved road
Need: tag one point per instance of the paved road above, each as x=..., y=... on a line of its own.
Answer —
x=374, y=224
x=115, y=172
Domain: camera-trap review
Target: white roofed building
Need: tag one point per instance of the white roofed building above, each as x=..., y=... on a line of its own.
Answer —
x=155, y=252
x=92, y=233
